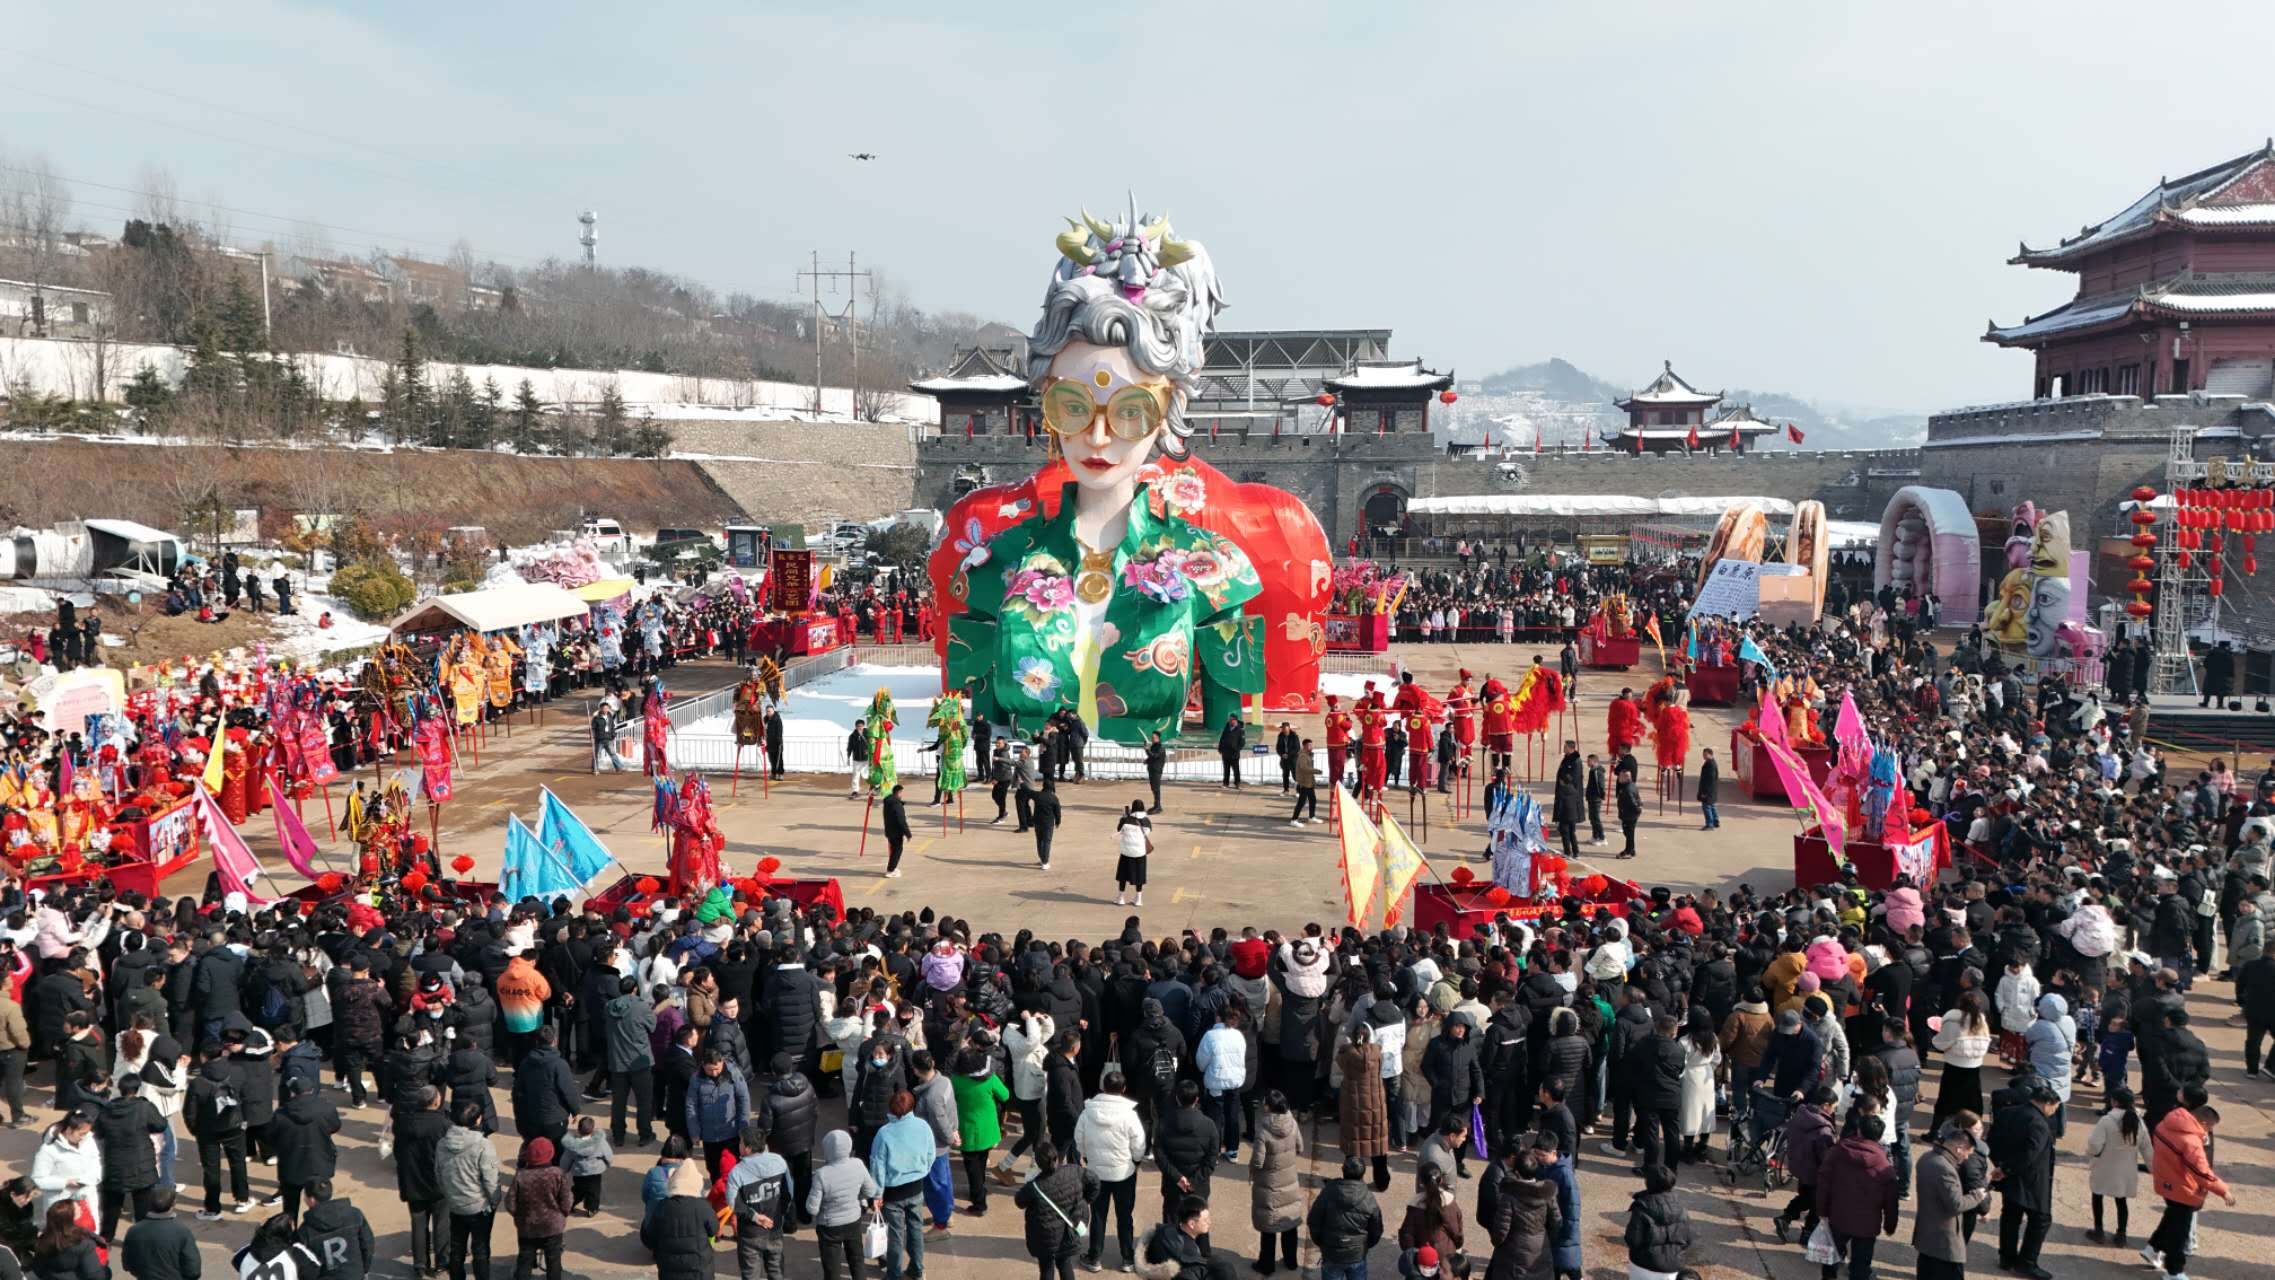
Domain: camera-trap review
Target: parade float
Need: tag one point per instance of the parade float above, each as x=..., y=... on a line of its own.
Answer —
x=1929, y=545
x=1609, y=640
x=1362, y=596
x=1710, y=662
x=1114, y=581
x=1859, y=819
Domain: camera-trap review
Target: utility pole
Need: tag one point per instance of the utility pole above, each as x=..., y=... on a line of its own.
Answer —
x=853, y=277
x=267, y=334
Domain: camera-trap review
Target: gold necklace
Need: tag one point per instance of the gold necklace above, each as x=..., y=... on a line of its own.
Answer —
x=1096, y=581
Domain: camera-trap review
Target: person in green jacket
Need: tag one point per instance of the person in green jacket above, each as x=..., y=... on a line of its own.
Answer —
x=980, y=1095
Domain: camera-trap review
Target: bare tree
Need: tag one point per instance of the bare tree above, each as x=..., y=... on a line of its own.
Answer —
x=161, y=196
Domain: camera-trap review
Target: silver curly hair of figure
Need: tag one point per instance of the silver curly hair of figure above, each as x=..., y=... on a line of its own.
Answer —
x=1131, y=284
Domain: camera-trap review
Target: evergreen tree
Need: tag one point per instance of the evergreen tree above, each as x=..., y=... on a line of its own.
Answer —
x=391, y=413
x=208, y=373
x=241, y=319
x=414, y=415
x=355, y=417
x=526, y=427
x=292, y=394
x=148, y=394
x=482, y=419
x=454, y=412
x=650, y=439
x=608, y=436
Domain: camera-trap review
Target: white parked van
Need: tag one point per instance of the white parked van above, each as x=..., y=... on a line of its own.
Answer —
x=606, y=534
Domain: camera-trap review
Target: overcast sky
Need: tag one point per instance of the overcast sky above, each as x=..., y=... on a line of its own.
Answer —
x=1809, y=197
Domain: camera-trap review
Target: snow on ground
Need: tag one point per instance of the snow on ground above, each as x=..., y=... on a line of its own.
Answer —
x=298, y=637
x=817, y=717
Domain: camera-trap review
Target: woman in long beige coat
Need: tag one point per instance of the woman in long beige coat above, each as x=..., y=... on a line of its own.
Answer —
x=1275, y=1188
x=1364, y=1116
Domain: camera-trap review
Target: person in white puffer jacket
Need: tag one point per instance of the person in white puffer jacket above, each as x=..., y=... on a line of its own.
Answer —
x=1027, y=1041
x=1112, y=1142
x=69, y=1166
x=1306, y=961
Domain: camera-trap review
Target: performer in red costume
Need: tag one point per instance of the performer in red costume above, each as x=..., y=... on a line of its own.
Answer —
x=1373, y=719
x=1500, y=725
x=1623, y=723
x=1665, y=706
x=1461, y=706
x=1338, y=740
x=1421, y=748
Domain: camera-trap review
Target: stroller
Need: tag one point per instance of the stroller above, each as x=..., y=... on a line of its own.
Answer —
x=1757, y=1141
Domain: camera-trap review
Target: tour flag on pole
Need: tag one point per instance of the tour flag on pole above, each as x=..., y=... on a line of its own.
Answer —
x=233, y=863
x=1808, y=799
x=1651, y=629
x=292, y=834
x=531, y=869
x=1748, y=651
x=213, y=763
x=1362, y=856
x=1401, y=865
x=566, y=836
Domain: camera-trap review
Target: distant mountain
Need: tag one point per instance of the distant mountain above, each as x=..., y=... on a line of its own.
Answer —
x=1561, y=401
x=1556, y=379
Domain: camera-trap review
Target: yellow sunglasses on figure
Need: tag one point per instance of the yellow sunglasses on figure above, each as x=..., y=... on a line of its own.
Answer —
x=1132, y=413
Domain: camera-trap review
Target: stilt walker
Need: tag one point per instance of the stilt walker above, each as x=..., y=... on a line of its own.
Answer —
x=952, y=737
x=882, y=773
x=1338, y=742
x=1374, y=767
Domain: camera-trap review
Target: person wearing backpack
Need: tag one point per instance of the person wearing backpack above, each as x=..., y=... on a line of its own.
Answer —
x=1157, y=1050
x=217, y=1122
x=758, y=1190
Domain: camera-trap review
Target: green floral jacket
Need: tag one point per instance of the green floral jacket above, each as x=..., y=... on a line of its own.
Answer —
x=1175, y=612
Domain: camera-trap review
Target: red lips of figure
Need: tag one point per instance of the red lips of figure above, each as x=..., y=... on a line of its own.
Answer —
x=1097, y=464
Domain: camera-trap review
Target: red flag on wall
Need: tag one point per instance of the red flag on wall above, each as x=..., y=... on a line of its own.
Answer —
x=1736, y=440
x=1536, y=433
x=1793, y=433
x=1639, y=442
x=1691, y=440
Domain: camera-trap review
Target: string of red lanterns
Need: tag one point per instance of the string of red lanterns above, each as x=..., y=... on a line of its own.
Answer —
x=2202, y=519
x=2142, y=562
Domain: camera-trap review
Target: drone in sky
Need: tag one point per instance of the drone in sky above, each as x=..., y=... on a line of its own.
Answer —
x=863, y=155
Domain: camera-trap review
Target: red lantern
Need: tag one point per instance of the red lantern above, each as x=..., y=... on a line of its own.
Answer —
x=2185, y=558
x=2144, y=540
x=370, y=864
x=768, y=866
x=2140, y=608
x=1498, y=896
x=1326, y=398
x=330, y=882
x=2143, y=517
x=2251, y=564
x=2143, y=493
x=2216, y=587
x=1447, y=396
x=2141, y=564
x=2140, y=586
x=462, y=864
x=647, y=885
x=1463, y=875
x=415, y=880
x=1921, y=817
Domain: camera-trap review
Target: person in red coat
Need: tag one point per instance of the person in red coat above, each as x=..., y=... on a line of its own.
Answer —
x=1461, y=710
x=1500, y=725
x=1373, y=719
x=1856, y=1189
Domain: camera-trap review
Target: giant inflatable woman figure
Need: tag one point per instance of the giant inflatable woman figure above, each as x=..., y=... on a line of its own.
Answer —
x=1112, y=580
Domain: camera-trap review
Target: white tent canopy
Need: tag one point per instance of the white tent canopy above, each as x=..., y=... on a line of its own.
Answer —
x=1588, y=504
x=494, y=608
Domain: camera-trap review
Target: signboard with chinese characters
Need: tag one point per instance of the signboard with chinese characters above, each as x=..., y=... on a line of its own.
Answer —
x=792, y=581
x=1734, y=588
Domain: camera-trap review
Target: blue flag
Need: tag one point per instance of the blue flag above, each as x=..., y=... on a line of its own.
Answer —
x=1748, y=651
x=1690, y=645
x=532, y=869
x=567, y=838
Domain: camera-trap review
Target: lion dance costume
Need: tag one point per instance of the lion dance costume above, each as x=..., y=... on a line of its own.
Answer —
x=947, y=723
x=1666, y=707
x=1623, y=725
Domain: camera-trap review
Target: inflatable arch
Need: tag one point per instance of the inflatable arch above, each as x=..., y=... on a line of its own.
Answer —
x=1928, y=542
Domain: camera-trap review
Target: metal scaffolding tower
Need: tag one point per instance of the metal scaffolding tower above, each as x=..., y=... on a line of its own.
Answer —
x=2182, y=599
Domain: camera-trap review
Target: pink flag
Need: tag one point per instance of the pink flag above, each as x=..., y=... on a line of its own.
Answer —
x=63, y=776
x=1808, y=799
x=231, y=859
x=1848, y=731
x=1771, y=717
x=292, y=833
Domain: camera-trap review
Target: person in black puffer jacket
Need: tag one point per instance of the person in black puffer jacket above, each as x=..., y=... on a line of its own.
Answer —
x=789, y=1109
x=1345, y=1220
x=1057, y=1196
x=418, y=1135
x=1566, y=1058
x=680, y=1228
x=1658, y=1232
x=302, y=1136
x=790, y=1000
x=123, y=1128
x=477, y=1015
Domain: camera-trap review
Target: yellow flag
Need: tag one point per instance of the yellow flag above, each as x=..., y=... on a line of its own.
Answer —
x=1362, y=857
x=213, y=763
x=1401, y=864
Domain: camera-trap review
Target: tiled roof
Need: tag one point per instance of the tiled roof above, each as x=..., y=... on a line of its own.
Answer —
x=2191, y=199
x=1670, y=389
